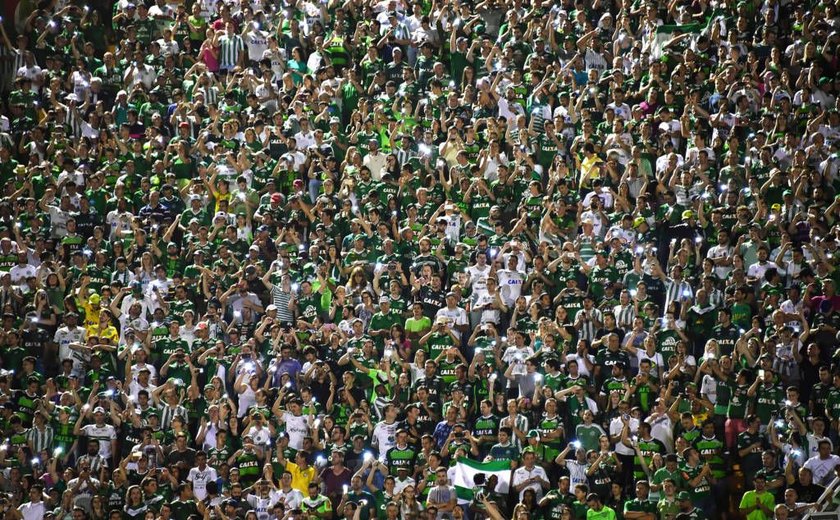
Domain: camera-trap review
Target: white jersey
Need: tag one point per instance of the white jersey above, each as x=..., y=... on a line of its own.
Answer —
x=20, y=273
x=64, y=337
x=104, y=434
x=199, y=479
x=292, y=498
x=384, y=437
x=297, y=427
x=511, y=283
x=523, y=474
x=453, y=317
x=262, y=506
x=478, y=279
x=257, y=43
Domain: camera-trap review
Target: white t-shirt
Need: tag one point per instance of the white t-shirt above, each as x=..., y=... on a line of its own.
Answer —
x=758, y=269
x=720, y=251
x=134, y=389
x=31, y=511
x=662, y=429
x=376, y=163
x=615, y=431
x=823, y=470
x=517, y=356
x=709, y=388
x=135, y=373
x=813, y=444
x=261, y=436
x=199, y=479
x=487, y=315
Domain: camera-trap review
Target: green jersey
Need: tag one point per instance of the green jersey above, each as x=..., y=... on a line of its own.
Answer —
x=723, y=392
x=751, y=461
x=397, y=457
x=703, y=488
x=486, y=426
x=649, y=448
x=437, y=343
x=663, y=474
x=666, y=344
x=589, y=436
x=637, y=505
x=832, y=403
x=598, y=278
x=504, y=452
x=556, y=503
x=768, y=399
x=738, y=402
x=547, y=425
x=711, y=450
x=181, y=510
x=249, y=467
x=667, y=508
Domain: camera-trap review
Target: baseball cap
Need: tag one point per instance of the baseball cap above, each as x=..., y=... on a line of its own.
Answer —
x=683, y=495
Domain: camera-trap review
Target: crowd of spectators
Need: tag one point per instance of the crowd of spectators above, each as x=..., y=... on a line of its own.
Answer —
x=271, y=260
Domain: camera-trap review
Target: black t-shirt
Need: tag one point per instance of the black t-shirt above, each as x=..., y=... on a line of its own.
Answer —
x=321, y=390
x=809, y=493
x=431, y=300
x=33, y=341
x=187, y=457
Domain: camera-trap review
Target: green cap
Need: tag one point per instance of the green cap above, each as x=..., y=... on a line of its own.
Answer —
x=683, y=495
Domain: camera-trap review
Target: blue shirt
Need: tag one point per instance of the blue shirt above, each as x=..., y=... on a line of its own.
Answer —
x=442, y=431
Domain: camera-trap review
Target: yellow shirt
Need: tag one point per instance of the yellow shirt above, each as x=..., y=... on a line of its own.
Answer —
x=91, y=322
x=301, y=477
x=751, y=499
x=589, y=170
x=110, y=333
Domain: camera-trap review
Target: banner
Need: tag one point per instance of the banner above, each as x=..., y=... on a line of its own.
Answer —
x=466, y=469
